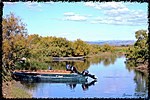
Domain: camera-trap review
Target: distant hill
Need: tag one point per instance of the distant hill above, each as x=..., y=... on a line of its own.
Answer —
x=113, y=42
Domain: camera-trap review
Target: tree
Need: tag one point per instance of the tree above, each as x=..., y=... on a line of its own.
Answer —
x=139, y=51
x=14, y=42
x=141, y=45
x=106, y=48
x=80, y=48
x=94, y=49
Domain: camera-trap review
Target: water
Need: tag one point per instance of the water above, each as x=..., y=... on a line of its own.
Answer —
x=115, y=80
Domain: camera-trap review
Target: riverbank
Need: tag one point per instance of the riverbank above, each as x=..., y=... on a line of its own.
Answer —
x=106, y=54
x=82, y=58
x=14, y=89
x=67, y=58
x=142, y=68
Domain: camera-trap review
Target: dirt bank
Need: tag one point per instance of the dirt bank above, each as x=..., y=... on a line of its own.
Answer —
x=142, y=68
x=14, y=89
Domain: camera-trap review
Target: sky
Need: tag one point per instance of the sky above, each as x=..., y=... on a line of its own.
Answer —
x=88, y=21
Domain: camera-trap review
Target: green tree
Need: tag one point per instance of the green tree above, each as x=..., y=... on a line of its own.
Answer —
x=106, y=48
x=13, y=44
x=94, y=49
x=141, y=45
x=139, y=51
x=80, y=48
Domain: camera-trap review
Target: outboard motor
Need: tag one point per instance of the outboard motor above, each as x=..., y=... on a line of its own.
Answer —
x=74, y=70
x=85, y=86
x=86, y=73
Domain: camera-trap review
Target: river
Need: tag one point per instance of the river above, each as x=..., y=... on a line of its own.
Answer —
x=115, y=80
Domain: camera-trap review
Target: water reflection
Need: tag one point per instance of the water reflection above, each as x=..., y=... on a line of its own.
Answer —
x=34, y=85
x=86, y=86
x=141, y=83
x=130, y=65
x=140, y=78
x=106, y=60
x=72, y=85
x=61, y=65
x=81, y=65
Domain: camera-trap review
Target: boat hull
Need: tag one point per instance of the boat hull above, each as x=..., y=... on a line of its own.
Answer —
x=72, y=77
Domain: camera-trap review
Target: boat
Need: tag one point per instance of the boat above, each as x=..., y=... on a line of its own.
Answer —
x=48, y=76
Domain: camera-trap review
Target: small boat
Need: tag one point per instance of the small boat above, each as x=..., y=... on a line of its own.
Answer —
x=48, y=76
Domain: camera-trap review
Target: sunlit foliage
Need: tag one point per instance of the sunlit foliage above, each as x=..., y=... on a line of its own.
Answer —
x=139, y=51
x=14, y=44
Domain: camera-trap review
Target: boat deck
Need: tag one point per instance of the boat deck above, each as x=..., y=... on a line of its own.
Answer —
x=45, y=71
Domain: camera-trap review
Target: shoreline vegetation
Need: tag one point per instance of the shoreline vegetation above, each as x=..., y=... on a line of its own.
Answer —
x=141, y=67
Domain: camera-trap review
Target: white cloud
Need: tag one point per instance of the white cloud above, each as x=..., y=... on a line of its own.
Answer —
x=33, y=5
x=51, y=2
x=121, y=20
x=117, y=13
x=112, y=5
x=69, y=14
x=90, y=4
x=74, y=17
x=9, y=3
x=106, y=5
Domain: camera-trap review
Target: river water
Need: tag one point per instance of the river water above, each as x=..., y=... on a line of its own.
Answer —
x=115, y=80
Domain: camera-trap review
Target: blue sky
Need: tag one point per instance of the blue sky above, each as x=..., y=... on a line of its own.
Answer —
x=88, y=21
